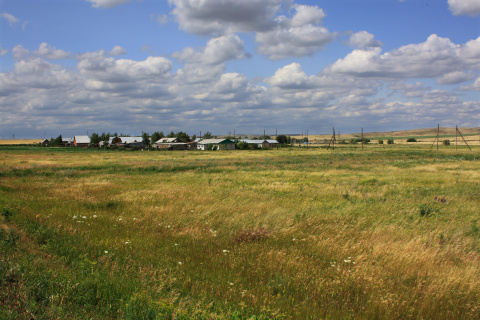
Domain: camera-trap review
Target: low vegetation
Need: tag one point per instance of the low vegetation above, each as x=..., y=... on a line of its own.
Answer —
x=383, y=233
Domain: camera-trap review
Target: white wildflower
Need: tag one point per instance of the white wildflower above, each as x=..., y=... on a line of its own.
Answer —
x=180, y=262
x=94, y=215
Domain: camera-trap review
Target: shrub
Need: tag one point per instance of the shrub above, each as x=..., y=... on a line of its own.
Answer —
x=7, y=213
x=446, y=142
x=390, y=141
x=411, y=140
x=380, y=141
x=242, y=145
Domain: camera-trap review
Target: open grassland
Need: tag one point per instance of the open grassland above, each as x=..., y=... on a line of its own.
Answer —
x=383, y=233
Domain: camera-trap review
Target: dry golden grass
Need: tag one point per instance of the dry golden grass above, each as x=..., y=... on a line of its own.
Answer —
x=305, y=233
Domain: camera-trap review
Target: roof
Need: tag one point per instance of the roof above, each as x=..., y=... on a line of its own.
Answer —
x=169, y=140
x=250, y=141
x=82, y=139
x=216, y=141
x=126, y=139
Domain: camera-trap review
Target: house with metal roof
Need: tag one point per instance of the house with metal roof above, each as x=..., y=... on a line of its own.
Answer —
x=171, y=144
x=217, y=144
x=81, y=141
x=261, y=143
x=126, y=141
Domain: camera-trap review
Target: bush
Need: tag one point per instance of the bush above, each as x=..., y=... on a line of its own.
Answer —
x=242, y=145
x=380, y=141
x=446, y=142
x=390, y=141
x=411, y=140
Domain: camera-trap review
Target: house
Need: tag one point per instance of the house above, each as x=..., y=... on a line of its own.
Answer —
x=44, y=142
x=265, y=144
x=81, y=141
x=217, y=144
x=126, y=141
x=171, y=144
x=67, y=141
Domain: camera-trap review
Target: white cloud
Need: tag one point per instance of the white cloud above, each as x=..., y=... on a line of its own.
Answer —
x=213, y=16
x=117, y=51
x=51, y=53
x=107, y=3
x=19, y=52
x=363, y=40
x=474, y=86
x=455, y=77
x=296, y=37
x=291, y=77
x=3, y=52
x=161, y=19
x=431, y=59
x=10, y=18
x=464, y=7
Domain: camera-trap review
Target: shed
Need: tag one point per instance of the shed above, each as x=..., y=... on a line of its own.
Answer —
x=81, y=141
x=221, y=144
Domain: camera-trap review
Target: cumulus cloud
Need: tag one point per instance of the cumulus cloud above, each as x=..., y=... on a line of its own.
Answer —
x=363, y=40
x=464, y=7
x=19, y=52
x=207, y=63
x=433, y=58
x=291, y=76
x=51, y=53
x=298, y=36
x=455, y=77
x=117, y=51
x=12, y=20
x=214, y=16
x=3, y=52
x=107, y=3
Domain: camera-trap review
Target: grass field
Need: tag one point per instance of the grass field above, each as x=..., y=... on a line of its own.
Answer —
x=383, y=233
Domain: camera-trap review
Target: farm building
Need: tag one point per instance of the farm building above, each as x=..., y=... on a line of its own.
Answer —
x=170, y=144
x=44, y=142
x=218, y=144
x=261, y=143
x=126, y=141
x=67, y=141
x=81, y=141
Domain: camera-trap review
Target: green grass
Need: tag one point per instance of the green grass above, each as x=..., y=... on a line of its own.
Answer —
x=384, y=233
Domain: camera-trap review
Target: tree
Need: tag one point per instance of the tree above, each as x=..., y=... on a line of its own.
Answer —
x=145, y=139
x=207, y=135
x=157, y=136
x=242, y=145
x=59, y=140
x=171, y=135
x=183, y=136
x=94, y=139
x=282, y=139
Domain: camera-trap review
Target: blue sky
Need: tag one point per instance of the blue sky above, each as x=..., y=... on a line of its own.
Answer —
x=75, y=66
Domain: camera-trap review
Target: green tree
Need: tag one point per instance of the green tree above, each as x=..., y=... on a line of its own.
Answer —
x=171, y=135
x=242, y=145
x=157, y=136
x=59, y=140
x=145, y=139
x=94, y=139
x=282, y=139
x=207, y=135
x=183, y=136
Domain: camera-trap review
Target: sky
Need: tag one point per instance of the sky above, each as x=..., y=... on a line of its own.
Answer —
x=74, y=67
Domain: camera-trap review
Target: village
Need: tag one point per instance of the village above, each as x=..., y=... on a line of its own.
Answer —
x=164, y=143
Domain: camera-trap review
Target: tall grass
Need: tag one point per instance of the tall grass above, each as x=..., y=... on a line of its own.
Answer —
x=283, y=234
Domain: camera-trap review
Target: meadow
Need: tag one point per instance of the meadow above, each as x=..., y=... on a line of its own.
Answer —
x=389, y=232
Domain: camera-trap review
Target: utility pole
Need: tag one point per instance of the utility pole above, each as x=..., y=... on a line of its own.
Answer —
x=362, y=138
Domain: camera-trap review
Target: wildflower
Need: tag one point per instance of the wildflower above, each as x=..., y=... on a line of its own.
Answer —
x=74, y=217
x=225, y=251
x=128, y=242
x=120, y=219
x=94, y=215
x=106, y=251
x=230, y=283
x=84, y=217
x=176, y=244
x=180, y=262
